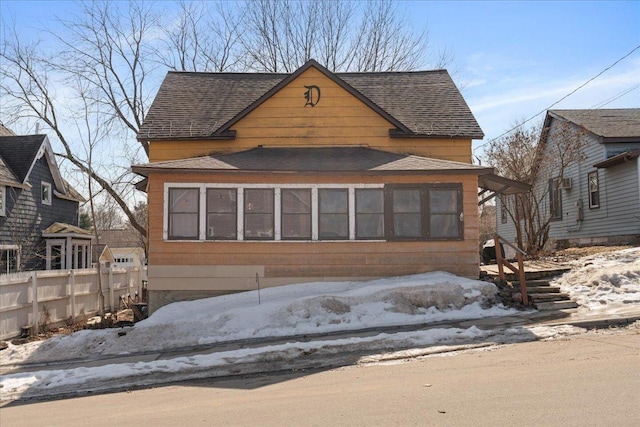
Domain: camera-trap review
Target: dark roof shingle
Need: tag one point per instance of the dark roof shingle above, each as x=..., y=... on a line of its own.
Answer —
x=19, y=152
x=326, y=159
x=607, y=123
x=194, y=105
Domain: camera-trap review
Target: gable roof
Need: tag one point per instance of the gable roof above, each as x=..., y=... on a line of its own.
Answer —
x=20, y=152
x=310, y=160
x=609, y=124
x=58, y=229
x=206, y=105
x=18, y=155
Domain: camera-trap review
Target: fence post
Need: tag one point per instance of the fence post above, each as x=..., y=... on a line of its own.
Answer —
x=34, y=291
x=72, y=284
x=111, y=297
x=130, y=281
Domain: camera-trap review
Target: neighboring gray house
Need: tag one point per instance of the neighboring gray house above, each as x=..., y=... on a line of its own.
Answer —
x=38, y=209
x=597, y=200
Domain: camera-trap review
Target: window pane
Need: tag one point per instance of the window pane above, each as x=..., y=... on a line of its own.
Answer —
x=296, y=226
x=333, y=201
x=443, y=225
x=296, y=201
x=370, y=226
x=183, y=200
x=369, y=214
x=222, y=222
x=221, y=200
x=370, y=201
x=183, y=226
x=407, y=225
x=334, y=226
x=183, y=213
x=258, y=201
x=406, y=200
x=222, y=226
x=594, y=190
x=258, y=213
x=259, y=226
x=334, y=214
x=443, y=201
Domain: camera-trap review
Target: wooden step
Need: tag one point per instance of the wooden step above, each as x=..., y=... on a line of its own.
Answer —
x=549, y=297
x=533, y=283
x=542, y=289
x=555, y=305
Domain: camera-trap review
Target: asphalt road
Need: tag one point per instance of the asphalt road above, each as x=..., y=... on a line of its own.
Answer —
x=586, y=380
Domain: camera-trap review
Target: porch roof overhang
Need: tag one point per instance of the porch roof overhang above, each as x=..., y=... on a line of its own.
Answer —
x=62, y=230
x=335, y=160
x=620, y=158
x=497, y=184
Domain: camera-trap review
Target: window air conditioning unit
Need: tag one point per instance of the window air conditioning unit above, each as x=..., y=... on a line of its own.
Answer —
x=565, y=183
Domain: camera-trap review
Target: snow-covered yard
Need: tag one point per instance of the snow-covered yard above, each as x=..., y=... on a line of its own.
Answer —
x=602, y=282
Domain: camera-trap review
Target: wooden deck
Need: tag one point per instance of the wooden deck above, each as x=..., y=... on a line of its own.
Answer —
x=533, y=269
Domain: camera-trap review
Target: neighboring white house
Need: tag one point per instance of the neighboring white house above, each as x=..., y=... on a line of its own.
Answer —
x=128, y=257
x=596, y=200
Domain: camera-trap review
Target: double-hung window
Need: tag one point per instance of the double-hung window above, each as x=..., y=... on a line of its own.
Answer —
x=425, y=212
x=222, y=208
x=594, y=190
x=369, y=213
x=296, y=214
x=259, y=214
x=405, y=207
x=444, y=213
x=333, y=213
x=555, y=198
x=184, y=204
x=45, y=193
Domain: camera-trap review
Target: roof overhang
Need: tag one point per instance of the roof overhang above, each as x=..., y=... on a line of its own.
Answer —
x=314, y=161
x=497, y=184
x=620, y=158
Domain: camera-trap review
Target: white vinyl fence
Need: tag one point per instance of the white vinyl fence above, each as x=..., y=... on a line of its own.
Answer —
x=40, y=298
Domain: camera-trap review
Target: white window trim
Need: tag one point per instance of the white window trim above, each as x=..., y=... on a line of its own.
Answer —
x=351, y=188
x=3, y=200
x=18, y=250
x=47, y=185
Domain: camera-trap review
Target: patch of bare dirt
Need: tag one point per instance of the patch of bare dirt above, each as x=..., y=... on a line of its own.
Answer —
x=571, y=254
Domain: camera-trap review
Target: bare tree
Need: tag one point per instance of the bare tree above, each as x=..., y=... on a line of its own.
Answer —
x=204, y=38
x=281, y=35
x=525, y=155
x=101, y=64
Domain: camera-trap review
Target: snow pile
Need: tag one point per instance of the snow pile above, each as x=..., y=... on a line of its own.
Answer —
x=308, y=308
x=604, y=282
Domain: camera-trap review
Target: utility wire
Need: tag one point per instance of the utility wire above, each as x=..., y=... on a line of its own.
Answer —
x=614, y=97
x=560, y=100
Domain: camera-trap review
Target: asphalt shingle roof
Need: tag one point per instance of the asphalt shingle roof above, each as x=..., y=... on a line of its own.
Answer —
x=326, y=159
x=607, y=123
x=195, y=105
x=19, y=152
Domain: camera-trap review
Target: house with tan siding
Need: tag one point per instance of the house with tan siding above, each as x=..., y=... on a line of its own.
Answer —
x=259, y=180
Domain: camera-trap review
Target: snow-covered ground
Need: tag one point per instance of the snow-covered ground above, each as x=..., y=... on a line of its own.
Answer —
x=310, y=308
x=604, y=283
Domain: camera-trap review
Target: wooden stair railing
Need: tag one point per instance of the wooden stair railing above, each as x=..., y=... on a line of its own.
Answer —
x=519, y=271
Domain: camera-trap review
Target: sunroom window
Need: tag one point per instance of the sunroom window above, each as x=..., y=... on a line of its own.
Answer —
x=183, y=213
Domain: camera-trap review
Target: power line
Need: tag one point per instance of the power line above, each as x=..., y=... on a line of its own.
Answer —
x=560, y=100
x=614, y=97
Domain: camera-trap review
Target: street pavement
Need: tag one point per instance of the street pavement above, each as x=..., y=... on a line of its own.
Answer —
x=523, y=319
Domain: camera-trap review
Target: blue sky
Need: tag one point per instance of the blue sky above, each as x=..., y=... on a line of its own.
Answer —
x=515, y=59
